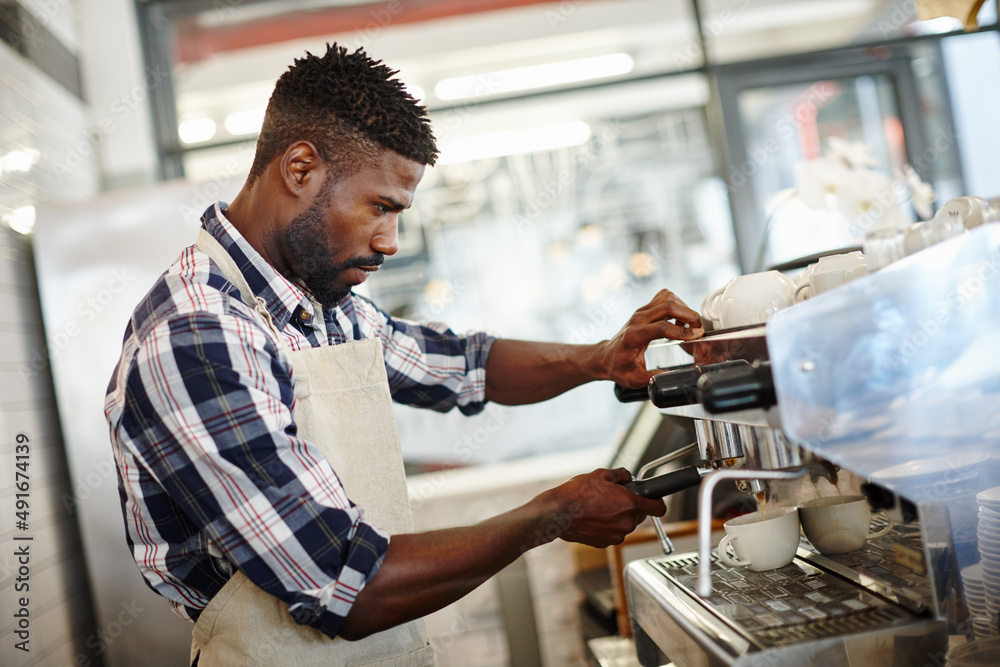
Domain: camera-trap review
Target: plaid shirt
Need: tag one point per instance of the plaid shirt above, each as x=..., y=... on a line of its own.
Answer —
x=202, y=414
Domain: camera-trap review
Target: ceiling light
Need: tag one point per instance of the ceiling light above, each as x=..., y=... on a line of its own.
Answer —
x=534, y=76
x=19, y=160
x=248, y=121
x=513, y=142
x=641, y=264
x=415, y=91
x=21, y=220
x=196, y=130
x=590, y=236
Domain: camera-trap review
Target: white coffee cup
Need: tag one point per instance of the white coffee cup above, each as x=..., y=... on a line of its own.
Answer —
x=829, y=272
x=762, y=545
x=749, y=299
x=834, y=525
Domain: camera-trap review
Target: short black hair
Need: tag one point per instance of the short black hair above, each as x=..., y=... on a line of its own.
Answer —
x=349, y=106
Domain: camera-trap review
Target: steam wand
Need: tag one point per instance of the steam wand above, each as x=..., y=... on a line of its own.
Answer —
x=665, y=543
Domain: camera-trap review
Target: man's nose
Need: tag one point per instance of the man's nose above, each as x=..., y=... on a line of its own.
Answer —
x=386, y=239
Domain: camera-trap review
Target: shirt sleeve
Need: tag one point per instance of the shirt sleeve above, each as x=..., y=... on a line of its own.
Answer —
x=209, y=404
x=428, y=364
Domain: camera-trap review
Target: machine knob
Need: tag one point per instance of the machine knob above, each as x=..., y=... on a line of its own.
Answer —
x=626, y=395
x=674, y=387
x=738, y=388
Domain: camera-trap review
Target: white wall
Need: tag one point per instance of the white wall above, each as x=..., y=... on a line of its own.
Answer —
x=117, y=86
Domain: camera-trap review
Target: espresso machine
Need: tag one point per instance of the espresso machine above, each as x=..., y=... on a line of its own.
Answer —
x=887, y=387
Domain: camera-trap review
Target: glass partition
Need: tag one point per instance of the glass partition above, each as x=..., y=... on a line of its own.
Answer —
x=659, y=167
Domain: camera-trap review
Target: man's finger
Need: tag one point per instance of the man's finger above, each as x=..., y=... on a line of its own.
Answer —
x=621, y=476
x=676, y=309
x=667, y=329
x=653, y=507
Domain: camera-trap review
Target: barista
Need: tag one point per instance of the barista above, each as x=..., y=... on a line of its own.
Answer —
x=251, y=418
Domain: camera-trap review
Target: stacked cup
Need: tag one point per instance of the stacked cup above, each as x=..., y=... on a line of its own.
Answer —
x=975, y=596
x=830, y=272
x=989, y=551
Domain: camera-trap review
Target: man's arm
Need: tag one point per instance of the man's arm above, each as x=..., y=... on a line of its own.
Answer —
x=208, y=411
x=519, y=372
x=424, y=572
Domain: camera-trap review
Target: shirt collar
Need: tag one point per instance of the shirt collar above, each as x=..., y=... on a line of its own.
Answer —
x=284, y=299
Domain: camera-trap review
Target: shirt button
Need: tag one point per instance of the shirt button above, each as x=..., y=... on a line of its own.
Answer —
x=304, y=315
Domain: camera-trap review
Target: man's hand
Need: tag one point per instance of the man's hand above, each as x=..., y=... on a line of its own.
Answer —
x=423, y=572
x=666, y=316
x=520, y=372
x=596, y=509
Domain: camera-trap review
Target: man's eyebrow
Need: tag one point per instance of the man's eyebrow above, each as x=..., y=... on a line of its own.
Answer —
x=393, y=204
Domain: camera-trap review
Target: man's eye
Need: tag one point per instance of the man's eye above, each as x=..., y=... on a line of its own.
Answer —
x=382, y=208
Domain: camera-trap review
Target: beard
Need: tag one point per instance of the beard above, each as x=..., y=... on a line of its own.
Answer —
x=311, y=260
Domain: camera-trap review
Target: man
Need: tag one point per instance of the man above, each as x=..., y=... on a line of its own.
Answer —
x=250, y=412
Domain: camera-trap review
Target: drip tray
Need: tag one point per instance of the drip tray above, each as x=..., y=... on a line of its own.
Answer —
x=779, y=607
x=800, y=612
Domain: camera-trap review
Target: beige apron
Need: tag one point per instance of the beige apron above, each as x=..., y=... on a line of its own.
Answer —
x=343, y=406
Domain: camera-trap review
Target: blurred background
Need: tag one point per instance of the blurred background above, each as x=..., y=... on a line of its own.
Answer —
x=593, y=152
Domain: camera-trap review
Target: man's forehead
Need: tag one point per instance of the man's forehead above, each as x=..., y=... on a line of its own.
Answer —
x=391, y=167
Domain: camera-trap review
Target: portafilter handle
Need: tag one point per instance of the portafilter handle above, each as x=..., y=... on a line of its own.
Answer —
x=676, y=386
x=668, y=483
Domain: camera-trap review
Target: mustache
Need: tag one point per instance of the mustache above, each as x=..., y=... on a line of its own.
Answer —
x=358, y=262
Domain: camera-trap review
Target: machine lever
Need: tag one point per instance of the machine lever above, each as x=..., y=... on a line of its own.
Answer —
x=676, y=386
x=738, y=388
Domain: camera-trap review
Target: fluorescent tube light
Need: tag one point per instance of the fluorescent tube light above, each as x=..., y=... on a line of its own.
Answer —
x=415, y=91
x=196, y=130
x=534, y=76
x=21, y=220
x=19, y=160
x=513, y=142
x=248, y=121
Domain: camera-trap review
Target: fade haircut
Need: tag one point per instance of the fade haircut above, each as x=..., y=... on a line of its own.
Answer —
x=349, y=107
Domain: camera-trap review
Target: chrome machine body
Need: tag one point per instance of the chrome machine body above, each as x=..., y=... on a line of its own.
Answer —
x=888, y=386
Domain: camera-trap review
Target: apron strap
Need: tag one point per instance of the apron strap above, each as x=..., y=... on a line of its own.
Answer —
x=211, y=247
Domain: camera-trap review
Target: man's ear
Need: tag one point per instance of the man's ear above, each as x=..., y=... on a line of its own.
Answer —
x=302, y=169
